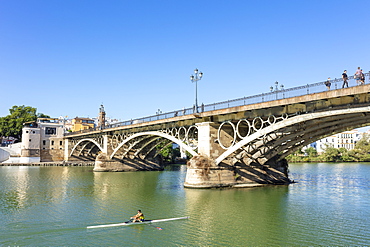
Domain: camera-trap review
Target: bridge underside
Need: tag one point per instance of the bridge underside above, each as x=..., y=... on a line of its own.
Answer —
x=129, y=152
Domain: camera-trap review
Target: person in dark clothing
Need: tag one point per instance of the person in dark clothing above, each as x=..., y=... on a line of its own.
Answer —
x=345, y=78
x=362, y=78
x=328, y=84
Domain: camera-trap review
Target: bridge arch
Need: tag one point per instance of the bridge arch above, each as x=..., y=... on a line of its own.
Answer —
x=334, y=119
x=154, y=133
x=85, y=140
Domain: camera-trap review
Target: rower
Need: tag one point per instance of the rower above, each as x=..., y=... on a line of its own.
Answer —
x=138, y=217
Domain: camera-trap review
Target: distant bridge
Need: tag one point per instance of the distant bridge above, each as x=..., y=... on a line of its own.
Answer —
x=240, y=142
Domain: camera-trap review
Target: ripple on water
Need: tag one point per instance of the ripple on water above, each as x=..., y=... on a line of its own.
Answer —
x=328, y=206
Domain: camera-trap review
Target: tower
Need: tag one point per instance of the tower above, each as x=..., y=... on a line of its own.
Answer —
x=101, y=121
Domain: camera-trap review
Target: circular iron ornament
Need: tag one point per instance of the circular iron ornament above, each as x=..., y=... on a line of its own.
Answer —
x=284, y=116
x=174, y=132
x=192, y=136
x=114, y=141
x=271, y=119
x=182, y=134
x=237, y=128
x=218, y=134
x=255, y=123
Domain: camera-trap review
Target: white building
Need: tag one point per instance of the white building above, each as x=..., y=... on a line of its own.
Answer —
x=42, y=140
x=347, y=140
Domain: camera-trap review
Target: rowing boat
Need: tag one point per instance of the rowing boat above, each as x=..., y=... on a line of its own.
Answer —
x=138, y=223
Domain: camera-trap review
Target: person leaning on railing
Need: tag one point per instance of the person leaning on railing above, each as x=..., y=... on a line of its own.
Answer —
x=328, y=83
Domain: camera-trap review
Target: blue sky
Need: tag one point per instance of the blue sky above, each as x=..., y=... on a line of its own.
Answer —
x=67, y=57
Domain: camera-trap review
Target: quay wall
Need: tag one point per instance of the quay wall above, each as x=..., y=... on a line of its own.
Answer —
x=76, y=163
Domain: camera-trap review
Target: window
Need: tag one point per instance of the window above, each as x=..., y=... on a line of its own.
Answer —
x=26, y=131
x=52, y=143
x=50, y=131
x=60, y=143
x=33, y=132
x=43, y=142
x=29, y=140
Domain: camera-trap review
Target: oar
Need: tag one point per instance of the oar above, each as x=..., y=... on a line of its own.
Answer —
x=159, y=228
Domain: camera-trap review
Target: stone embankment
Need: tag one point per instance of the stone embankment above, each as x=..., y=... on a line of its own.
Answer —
x=50, y=164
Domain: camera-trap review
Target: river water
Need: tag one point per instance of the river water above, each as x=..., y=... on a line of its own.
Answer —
x=52, y=206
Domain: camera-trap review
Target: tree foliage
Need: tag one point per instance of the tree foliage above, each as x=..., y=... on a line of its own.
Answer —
x=331, y=154
x=311, y=152
x=168, y=153
x=12, y=124
x=361, y=153
x=362, y=149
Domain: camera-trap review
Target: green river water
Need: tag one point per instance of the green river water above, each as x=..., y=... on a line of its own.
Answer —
x=52, y=206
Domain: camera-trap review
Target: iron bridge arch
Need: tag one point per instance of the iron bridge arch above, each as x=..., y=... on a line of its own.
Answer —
x=273, y=140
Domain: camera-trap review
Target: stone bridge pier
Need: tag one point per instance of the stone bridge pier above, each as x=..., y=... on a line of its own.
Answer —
x=205, y=171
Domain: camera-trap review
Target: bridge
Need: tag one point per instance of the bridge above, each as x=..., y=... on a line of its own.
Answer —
x=236, y=143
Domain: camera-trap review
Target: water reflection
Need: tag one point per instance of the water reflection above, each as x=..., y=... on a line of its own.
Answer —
x=14, y=195
x=237, y=211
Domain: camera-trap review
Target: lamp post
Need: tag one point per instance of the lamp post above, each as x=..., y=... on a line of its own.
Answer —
x=195, y=78
x=158, y=112
x=277, y=89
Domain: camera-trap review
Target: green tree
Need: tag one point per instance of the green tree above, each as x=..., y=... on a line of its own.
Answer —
x=12, y=124
x=296, y=156
x=311, y=152
x=331, y=154
x=346, y=155
x=362, y=149
x=168, y=153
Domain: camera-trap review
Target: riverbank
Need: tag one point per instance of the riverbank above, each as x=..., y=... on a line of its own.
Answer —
x=63, y=163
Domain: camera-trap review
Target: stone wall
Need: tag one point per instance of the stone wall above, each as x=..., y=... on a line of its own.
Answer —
x=47, y=155
x=202, y=173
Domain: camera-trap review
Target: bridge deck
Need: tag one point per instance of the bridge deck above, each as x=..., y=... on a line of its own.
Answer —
x=207, y=116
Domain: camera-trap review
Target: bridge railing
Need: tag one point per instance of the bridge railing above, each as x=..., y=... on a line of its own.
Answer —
x=275, y=94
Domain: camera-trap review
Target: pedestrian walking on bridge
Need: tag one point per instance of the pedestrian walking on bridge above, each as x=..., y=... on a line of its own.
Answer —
x=345, y=78
x=357, y=75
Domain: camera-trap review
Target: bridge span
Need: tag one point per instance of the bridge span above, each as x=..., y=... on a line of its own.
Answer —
x=238, y=146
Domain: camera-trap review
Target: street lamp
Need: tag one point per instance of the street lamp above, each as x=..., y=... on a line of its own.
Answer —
x=277, y=89
x=195, y=78
x=158, y=112
x=282, y=89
